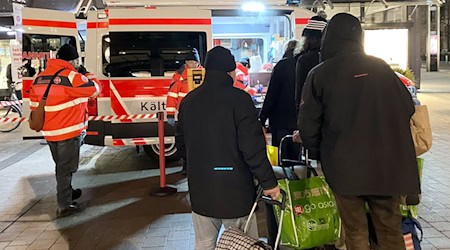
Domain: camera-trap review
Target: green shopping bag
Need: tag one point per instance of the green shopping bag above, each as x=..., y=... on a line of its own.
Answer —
x=411, y=211
x=311, y=218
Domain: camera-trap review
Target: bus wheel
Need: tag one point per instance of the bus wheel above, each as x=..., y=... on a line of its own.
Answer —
x=170, y=151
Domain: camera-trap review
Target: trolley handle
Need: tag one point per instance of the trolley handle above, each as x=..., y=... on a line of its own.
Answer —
x=270, y=201
x=267, y=200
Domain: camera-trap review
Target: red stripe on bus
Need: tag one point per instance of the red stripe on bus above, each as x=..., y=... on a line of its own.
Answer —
x=116, y=106
x=301, y=21
x=160, y=21
x=139, y=87
x=99, y=25
x=47, y=23
x=106, y=89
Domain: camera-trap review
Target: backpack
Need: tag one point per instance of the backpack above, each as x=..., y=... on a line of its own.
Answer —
x=37, y=116
x=410, y=235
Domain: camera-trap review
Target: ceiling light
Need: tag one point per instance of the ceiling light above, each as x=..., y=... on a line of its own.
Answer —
x=253, y=7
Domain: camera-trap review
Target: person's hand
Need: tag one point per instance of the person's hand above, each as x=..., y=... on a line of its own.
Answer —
x=274, y=193
x=171, y=121
x=297, y=138
x=82, y=70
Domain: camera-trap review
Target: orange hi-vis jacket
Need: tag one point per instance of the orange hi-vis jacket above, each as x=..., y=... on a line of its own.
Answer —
x=66, y=113
x=242, y=79
x=241, y=73
x=177, y=91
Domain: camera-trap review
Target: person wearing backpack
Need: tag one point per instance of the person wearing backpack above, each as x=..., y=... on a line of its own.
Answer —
x=59, y=97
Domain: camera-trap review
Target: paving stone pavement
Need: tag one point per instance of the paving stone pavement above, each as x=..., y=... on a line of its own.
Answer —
x=434, y=211
x=121, y=214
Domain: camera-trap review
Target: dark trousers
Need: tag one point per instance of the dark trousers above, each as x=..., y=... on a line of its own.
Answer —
x=66, y=155
x=386, y=217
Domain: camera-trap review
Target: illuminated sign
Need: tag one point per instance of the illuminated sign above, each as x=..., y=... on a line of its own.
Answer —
x=391, y=45
x=433, y=44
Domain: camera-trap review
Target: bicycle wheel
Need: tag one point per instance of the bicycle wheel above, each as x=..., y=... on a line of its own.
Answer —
x=10, y=112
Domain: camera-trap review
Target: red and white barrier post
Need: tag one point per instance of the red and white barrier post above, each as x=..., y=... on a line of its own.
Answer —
x=163, y=190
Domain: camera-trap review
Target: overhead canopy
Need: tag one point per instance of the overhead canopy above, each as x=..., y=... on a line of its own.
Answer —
x=75, y=5
x=304, y=3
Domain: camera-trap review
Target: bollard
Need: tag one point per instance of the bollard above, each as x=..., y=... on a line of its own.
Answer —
x=163, y=190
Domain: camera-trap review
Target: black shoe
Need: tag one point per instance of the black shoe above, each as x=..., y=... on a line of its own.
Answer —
x=76, y=193
x=72, y=209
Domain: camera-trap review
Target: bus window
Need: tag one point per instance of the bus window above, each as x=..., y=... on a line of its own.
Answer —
x=39, y=48
x=260, y=38
x=5, y=60
x=147, y=54
x=106, y=58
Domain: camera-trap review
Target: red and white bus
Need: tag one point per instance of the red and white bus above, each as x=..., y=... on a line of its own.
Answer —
x=134, y=49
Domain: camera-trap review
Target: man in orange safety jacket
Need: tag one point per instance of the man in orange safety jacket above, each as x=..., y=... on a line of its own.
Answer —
x=66, y=118
x=179, y=89
x=242, y=81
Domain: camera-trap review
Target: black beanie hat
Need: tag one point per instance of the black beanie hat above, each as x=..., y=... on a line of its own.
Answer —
x=193, y=55
x=315, y=27
x=245, y=61
x=220, y=59
x=67, y=53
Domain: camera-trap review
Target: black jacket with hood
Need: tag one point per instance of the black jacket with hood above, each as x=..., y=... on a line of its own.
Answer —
x=306, y=61
x=356, y=111
x=279, y=103
x=225, y=146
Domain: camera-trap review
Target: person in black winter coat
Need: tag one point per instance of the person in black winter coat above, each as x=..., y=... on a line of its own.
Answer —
x=356, y=112
x=279, y=108
x=309, y=57
x=225, y=148
x=279, y=103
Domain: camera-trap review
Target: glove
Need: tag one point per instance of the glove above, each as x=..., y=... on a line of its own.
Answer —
x=171, y=121
x=82, y=70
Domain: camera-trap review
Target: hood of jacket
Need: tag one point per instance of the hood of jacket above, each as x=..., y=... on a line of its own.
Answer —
x=215, y=78
x=289, y=53
x=342, y=35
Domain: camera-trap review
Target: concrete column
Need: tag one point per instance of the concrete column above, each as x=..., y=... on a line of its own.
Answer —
x=433, y=30
x=428, y=36
x=415, y=61
x=438, y=32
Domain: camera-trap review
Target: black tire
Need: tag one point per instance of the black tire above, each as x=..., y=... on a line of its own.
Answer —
x=12, y=112
x=171, y=152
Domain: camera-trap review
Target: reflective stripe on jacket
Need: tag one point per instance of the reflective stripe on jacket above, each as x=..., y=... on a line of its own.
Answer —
x=66, y=113
x=241, y=73
x=177, y=91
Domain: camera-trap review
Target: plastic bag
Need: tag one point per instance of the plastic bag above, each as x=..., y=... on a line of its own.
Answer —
x=311, y=218
x=272, y=154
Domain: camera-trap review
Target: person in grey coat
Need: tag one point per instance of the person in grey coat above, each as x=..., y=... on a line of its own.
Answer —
x=355, y=111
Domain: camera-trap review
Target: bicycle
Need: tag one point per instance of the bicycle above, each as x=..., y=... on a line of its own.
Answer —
x=10, y=111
